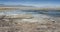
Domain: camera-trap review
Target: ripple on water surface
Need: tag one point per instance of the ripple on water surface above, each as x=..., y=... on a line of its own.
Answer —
x=50, y=13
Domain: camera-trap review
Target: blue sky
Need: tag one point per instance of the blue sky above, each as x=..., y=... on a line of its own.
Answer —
x=38, y=3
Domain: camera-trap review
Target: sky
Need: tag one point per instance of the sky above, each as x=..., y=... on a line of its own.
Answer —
x=37, y=3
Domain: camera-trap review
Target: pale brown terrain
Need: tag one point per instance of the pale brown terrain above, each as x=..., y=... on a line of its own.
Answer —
x=23, y=23
x=29, y=8
x=18, y=8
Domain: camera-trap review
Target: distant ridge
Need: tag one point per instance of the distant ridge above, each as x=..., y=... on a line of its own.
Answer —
x=24, y=7
x=2, y=5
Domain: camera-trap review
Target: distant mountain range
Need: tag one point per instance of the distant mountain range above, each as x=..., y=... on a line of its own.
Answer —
x=30, y=7
x=2, y=5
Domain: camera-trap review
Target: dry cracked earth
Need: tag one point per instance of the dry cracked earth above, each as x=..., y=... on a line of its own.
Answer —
x=21, y=24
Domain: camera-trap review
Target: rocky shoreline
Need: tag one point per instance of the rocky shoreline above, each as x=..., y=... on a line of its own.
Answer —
x=28, y=23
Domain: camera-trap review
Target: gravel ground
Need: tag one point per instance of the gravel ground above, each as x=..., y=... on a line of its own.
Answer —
x=34, y=23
